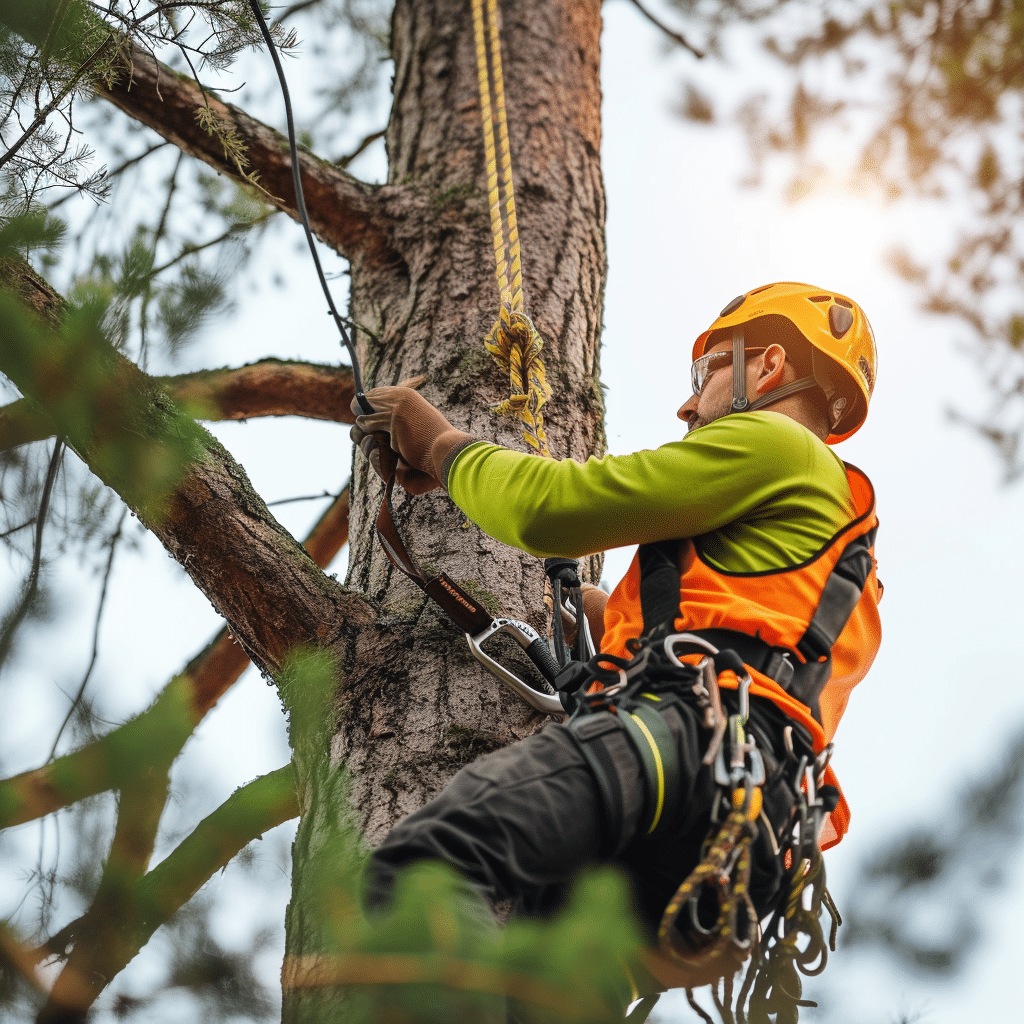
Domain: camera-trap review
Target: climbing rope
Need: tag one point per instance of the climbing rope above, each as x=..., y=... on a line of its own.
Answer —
x=300, y=207
x=513, y=341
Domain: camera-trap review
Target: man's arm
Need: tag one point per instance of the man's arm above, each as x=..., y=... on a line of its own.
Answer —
x=738, y=478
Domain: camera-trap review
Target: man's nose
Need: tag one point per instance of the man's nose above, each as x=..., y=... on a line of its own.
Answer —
x=688, y=410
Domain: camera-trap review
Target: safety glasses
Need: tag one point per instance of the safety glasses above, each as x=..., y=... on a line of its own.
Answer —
x=705, y=365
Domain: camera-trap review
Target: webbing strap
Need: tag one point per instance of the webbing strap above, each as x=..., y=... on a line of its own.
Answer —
x=462, y=609
x=656, y=746
x=659, y=584
x=594, y=735
x=839, y=598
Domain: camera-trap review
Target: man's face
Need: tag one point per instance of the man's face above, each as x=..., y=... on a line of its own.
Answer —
x=715, y=400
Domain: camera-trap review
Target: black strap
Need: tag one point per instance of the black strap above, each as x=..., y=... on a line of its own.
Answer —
x=839, y=597
x=659, y=585
x=595, y=735
x=466, y=612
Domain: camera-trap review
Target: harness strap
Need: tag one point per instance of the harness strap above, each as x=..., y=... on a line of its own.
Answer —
x=659, y=584
x=466, y=612
x=604, y=746
x=656, y=747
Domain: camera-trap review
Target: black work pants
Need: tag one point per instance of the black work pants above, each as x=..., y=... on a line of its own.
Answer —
x=521, y=823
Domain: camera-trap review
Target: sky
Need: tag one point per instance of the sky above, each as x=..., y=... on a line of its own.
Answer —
x=683, y=239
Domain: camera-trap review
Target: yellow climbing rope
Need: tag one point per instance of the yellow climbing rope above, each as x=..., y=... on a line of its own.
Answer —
x=513, y=341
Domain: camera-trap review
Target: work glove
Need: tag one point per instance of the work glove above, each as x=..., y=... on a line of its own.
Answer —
x=419, y=434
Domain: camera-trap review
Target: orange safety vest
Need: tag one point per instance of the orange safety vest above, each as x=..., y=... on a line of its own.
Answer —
x=777, y=607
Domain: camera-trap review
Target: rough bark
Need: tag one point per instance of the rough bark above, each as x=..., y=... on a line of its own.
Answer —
x=426, y=706
x=415, y=706
x=271, y=387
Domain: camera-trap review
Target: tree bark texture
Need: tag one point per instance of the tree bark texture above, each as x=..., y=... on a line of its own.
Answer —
x=423, y=704
x=415, y=706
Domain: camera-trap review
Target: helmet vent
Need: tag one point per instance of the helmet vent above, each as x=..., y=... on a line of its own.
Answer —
x=734, y=305
x=865, y=368
x=844, y=302
x=820, y=298
x=840, y=320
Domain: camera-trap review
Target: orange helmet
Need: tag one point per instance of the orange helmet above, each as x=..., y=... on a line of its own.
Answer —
x=843, y=355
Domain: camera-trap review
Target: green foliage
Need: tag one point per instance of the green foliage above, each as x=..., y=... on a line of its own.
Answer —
x=438, y=954
x=128, y=431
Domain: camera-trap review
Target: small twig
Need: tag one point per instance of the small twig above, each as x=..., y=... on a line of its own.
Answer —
x=40, y=118
x=116, y=173
x=15, y=529
x=306, y=497
x=294, y=9
x=115, y=537
x=344, y=161
x=674, y=36
x=191, y=250
x=32, y=584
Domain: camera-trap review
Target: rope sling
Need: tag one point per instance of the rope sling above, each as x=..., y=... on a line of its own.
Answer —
x=513, y=341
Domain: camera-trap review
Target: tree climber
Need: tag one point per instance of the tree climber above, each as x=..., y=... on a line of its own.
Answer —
x=755, y=538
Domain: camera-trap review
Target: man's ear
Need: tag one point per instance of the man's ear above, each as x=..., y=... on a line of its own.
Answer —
x=771, y=369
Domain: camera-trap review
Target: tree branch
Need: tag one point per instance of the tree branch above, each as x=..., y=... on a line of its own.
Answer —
x=187, y=489
x=97, y=933
x=345, y=213
x=676, y=37
x=270, y=387
x=248, y=813
x=113, y=760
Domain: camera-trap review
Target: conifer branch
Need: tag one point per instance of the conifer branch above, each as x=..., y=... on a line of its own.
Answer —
x=345, y=213
x=153, y=899
x=113, y=760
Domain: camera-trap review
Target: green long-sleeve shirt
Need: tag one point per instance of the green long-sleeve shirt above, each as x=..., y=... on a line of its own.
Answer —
x=757, y=491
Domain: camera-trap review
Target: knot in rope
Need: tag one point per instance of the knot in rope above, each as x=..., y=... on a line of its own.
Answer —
x=515, y=345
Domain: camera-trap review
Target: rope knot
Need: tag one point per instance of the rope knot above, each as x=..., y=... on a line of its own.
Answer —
x=516, y=344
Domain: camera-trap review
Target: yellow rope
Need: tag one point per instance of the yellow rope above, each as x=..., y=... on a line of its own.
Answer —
x=513, y=341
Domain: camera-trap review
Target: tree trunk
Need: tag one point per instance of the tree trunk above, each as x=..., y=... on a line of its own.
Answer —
x=416, y=706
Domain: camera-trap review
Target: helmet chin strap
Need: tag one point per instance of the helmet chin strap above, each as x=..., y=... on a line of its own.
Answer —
x=739, y=380
x=739, y=371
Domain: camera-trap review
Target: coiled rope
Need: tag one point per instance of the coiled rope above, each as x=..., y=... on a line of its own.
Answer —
x=513, y=341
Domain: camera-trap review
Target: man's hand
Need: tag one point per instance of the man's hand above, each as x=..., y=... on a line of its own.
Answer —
x=416, y=431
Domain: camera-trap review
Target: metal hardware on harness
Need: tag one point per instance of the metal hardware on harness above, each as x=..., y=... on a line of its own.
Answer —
x=525, y=636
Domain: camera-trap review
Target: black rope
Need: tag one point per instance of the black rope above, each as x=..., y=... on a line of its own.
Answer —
x=300, y=206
